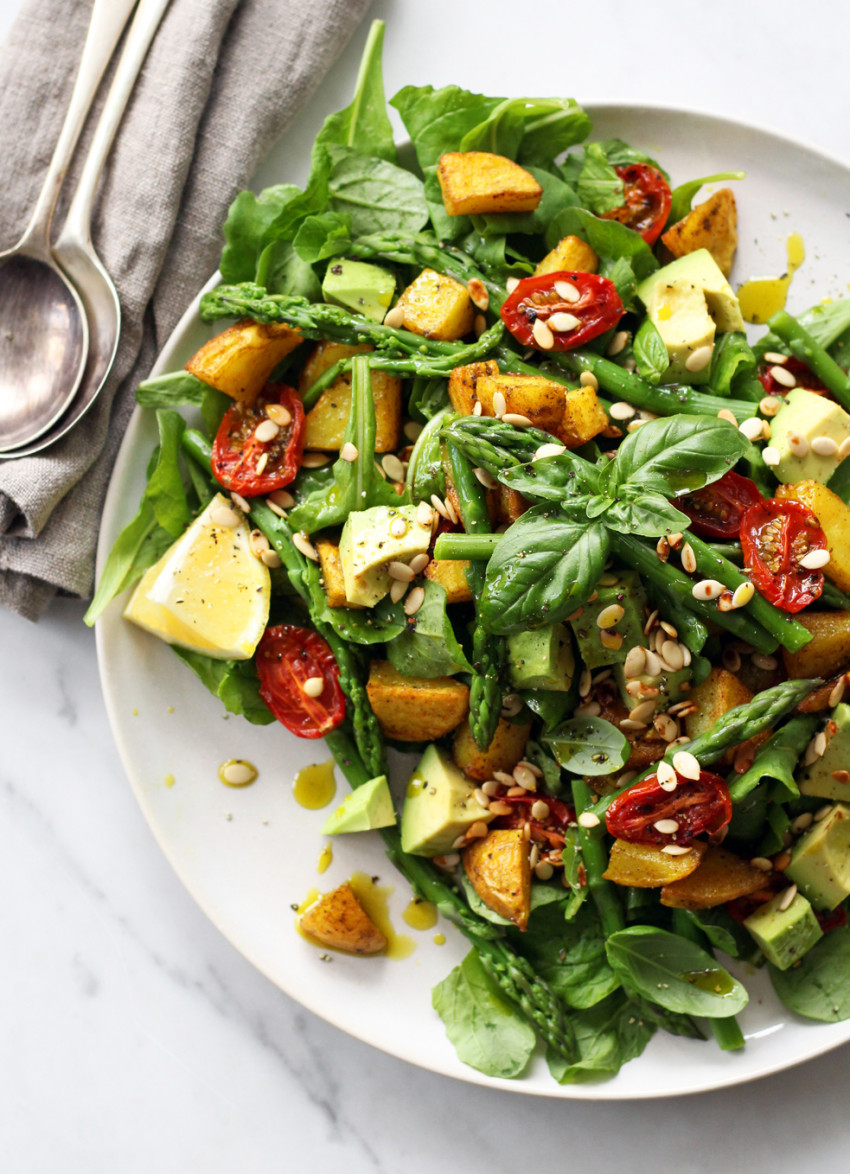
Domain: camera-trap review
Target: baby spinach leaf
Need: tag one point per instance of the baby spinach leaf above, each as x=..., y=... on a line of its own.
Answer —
x=425, y=472
x=556, y=196
x=608, y=1035
x=234, y=682
x=280, y=270
x=376, y=196
x=552, y=125
x=544, y=567
x=249, y=220
x=428, y=646
x=321, y=237
x=678, y=454
x=364, y=124
x=375, y=625
x=569, y=955
x=620, y=154
x=683, y=195
x=599, y=187
x=477, y=905
x=722, y=931
x=485, y=1029
x=674, y=973
x=438, y=120
x=175, y=389
x=818, y=987
x=608, y=238
x=650, y=352
x=589, y=746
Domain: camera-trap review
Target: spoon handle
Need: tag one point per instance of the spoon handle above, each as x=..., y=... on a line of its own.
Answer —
x=108, y=19
x=77, y=227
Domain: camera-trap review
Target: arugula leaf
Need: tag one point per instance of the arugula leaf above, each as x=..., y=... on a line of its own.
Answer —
x=674, y=973
x=647, y=514
x=428, y=647
x=818, y=987
x=683, y=195
x=376, y=196
x=234, y=682
x=485, y=1029
x=364, y=124
x=608, y=1036
x=678, y=454
x=569, y=956
x=650, y=352
x=544, y=567
x=589, y=746
x=599, y=187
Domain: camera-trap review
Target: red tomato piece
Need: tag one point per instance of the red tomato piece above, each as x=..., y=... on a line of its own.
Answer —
x=803, y=376
x=829, y=919
x=647, y=201
x=775, y=536
x=287, y=658
x=598, y=308
x=237, y=455
x=550, y=830
x=696, y=806
x=716, y=511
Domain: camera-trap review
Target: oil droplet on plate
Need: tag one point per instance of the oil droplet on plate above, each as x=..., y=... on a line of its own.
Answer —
x=420, y=914
x=439, y=939
x=315, y=786
x=325, y=858
x=169, y=780
x=237, y=772
x=763, y=296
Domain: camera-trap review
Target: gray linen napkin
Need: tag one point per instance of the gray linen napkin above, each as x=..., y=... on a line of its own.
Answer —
x=221, y=82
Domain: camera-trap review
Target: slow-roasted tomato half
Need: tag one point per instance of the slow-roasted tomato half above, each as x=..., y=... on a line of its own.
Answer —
x=243, y=462
x=716, y=511
x=576, y=307
x=647, y=201
x=803, y=377
x=551, y=830
x=299, y=680
x=776, y=538
x=696, y=806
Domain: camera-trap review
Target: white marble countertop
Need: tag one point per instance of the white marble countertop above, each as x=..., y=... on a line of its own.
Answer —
x=134, y=1038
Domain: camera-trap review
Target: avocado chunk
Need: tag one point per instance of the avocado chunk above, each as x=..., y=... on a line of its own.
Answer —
x=784, y=935
x=439, y=806
x=629, y=594
x=370, y=806
x=690, y=301
x=367, y=545
x=365, y=289
x=818, y=779
x=806, y=415
x=542, y=659
x=820, y=860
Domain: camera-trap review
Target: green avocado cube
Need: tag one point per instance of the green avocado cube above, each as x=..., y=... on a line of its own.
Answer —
x=818, y=779
x=369, y=806
x=807, y=416
x=820, y=860
x=784, y=935
x=628, y=592
x=365, y=289
x=368, y=544
x=542, y=659
x=439, y=806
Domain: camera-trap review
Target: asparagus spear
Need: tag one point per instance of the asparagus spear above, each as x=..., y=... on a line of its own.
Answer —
x=786, y=745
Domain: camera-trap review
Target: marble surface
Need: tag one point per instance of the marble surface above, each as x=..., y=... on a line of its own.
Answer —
x=133, y=1037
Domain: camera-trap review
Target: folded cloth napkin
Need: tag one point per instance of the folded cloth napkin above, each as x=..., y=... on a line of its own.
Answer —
x=222, y=80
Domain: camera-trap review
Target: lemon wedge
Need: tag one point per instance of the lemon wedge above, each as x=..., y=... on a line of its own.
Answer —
x=208, y=592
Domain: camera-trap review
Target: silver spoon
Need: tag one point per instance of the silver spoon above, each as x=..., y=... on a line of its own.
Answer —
x=43, y=330
x=74, y=250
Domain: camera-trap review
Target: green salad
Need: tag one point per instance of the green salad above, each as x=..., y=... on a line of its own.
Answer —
x=484, y=467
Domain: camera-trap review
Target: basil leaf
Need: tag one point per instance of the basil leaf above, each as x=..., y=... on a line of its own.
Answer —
x=732, y=356
x=589, y=746
x=544, y=567
x=485, y=1029
x=818, y=987
x=428, y=647
x=683, y=195
x=674, y=973
x=608, y=1036
x=650, y=353
x=647, y=514
x=679, y=454
x=599, y=187
x=552, y=478
x=597, y=505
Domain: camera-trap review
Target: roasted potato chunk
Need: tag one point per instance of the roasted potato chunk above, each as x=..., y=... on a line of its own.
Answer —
x=834, y=517
x=240, y=360
x=712, y=225
x=339, y=921
x=324, y=424
x=503, y=753
x=584, y=417
x=570, y=253
x=829, y=650
x=463, y=384
x=437, y=306
x=415, y=709
x=476, y=182
x=539, y=399
x=450, y=573
x=646, y=866
x=720, y=691
x=499, y=870
x=332, y=578
x=722, y=876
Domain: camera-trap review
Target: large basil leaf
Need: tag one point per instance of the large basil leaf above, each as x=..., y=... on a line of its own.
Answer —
x=818, y=987
x=674, y=973
x=599, y=187
x=678, y=454
x=544, y=567
x=553, y=478
x=589, y=746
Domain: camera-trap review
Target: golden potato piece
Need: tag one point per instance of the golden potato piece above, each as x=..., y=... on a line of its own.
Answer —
x=339, y=921
x=646, y=866
x=720, y=691
x=503, y=753
x=332, y=577
x=450, y=573
x=712, y=225
x=570, y=253
x=463, y=384
x=476, y=182
x=584, y=417
x=722, y=876
x=540, y=400
x=240, y=360
x=499, y=870
x=834, y=517
x=415, y=709
x=324, y=424
x=829, y=650
x=437, y=306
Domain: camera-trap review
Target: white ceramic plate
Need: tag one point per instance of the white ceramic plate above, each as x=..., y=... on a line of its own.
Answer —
x=247, y=855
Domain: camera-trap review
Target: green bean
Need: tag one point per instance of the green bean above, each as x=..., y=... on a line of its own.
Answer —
x=595, y=859
x=466, y=546
x=831, y=596
x=801, y=344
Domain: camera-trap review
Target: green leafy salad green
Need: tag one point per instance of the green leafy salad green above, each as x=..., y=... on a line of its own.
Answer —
x=621, y=657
